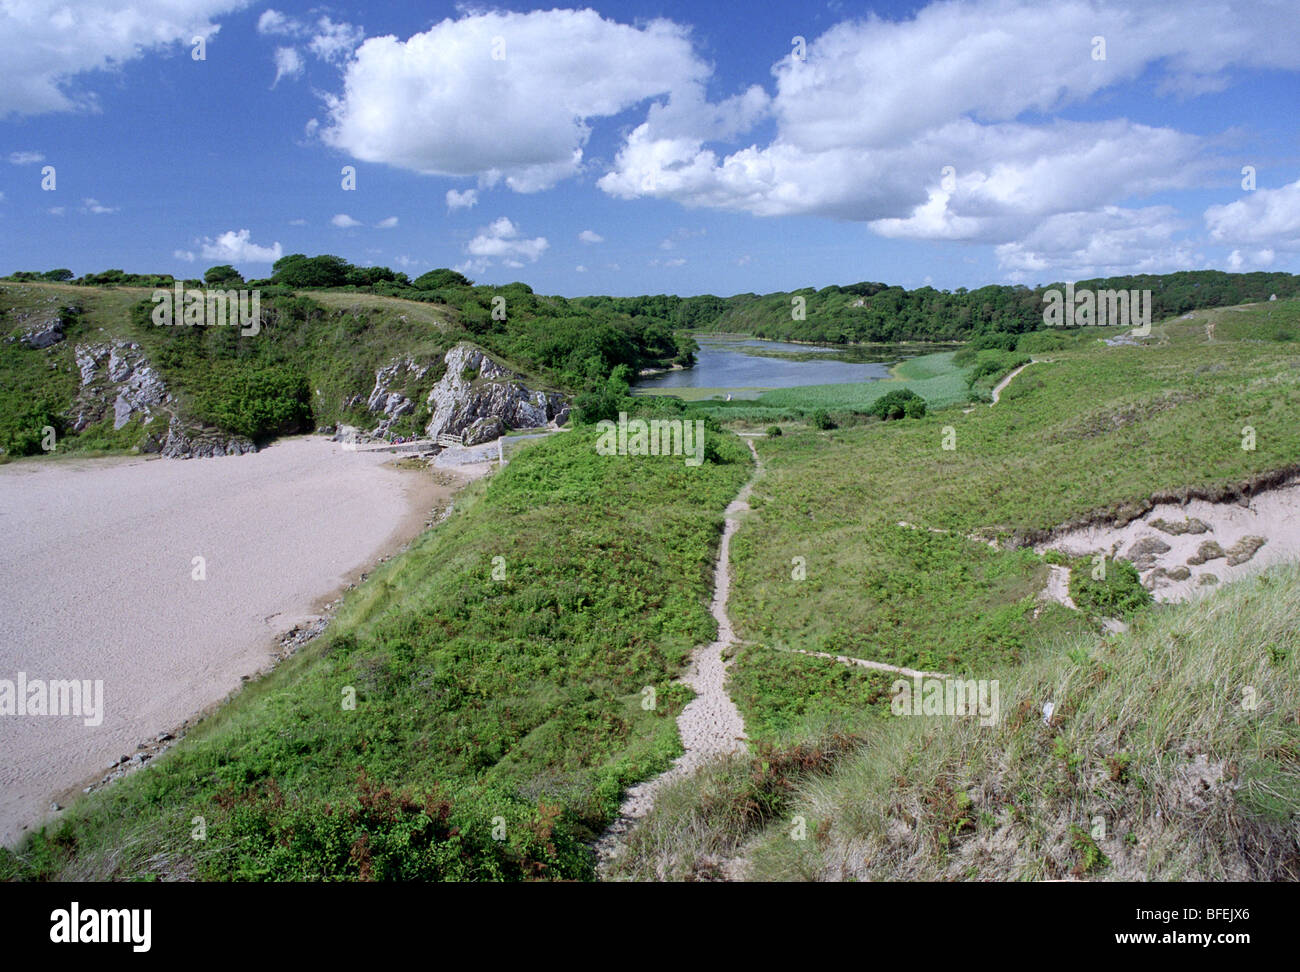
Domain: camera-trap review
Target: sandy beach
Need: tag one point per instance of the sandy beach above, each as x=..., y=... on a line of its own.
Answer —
x=97, y=582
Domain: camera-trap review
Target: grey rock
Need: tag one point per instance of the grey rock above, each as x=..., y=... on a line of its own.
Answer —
x=1144, y=551
x=484, y=430
x=1189, y=525
x=1244, y=549
x=386, y=399
x=190, y=442
x=44, y=334
x=476, y=387
x=119, y=377
x=1207, y=551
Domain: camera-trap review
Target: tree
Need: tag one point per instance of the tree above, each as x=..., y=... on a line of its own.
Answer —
x=223, y=274
x=437, y=279
x=57, y=275
x=300, y=270
x=369, y=276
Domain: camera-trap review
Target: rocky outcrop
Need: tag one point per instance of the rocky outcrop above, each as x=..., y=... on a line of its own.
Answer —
x=44, y=334
x=1244, y=549
x=1145, y=550
x=202, y=442
x=116, y=376
x=389, y=397
x=484, y=430
x=350, y=435
x=44, y=328
x=1207, y=551
x=476, y=390
x=1189, y=524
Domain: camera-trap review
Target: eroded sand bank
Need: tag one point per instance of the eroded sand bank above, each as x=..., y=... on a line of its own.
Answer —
x=96, y=582
x=1181, y=550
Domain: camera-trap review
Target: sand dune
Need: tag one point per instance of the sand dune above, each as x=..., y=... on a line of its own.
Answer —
x=96, y=565
x=1272, y=516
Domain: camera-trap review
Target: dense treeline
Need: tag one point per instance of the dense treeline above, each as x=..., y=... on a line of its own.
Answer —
x=876, y=312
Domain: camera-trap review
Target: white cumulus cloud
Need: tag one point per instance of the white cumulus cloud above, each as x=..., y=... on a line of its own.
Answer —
x=46, y=44
x=235, y=246
x=461, y=200
x=1108, y=242
x=1263, y=216
x=440, y=102
x=591, y=236
x=947, y=124
x=344, y=221
x=288, y=64
x=326, y=39
x=502, y=240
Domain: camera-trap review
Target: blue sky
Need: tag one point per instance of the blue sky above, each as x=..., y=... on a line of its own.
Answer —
x=655, y=147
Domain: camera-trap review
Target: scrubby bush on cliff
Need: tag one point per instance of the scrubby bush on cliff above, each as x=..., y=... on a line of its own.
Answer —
x=257, y=403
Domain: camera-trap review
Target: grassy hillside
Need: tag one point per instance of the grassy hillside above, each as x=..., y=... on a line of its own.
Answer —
x=822, y=565
x=314, y=357
x=1173, y=754
x=496, y=720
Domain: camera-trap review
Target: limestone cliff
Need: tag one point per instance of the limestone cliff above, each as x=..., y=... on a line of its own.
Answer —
x=480, y=399
x=116, y=378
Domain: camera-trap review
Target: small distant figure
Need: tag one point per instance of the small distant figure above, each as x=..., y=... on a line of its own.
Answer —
x=1272, y=297
x=1209, y=331
x=728, y=396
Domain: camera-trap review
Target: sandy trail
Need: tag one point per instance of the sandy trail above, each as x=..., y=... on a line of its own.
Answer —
x=865, y=663
x=710, y=725
x=1000, y=386
x=96, y=565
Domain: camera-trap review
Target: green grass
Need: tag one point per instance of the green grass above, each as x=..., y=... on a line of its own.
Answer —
x=783, y=693
x=702, y=394
x=1095, y=432
x=476, y=699
x=1172, y=750
x=884, y=593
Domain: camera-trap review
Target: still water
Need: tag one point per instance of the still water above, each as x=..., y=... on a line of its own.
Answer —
x=732, y=361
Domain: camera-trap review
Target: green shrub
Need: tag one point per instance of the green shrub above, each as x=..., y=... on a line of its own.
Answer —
x=991, y=365
x=897, y=404
x=21, y=431
x=821, y=419
x=1001, y=341
x=1119, y=594
x=257, y=403
x=774, y=430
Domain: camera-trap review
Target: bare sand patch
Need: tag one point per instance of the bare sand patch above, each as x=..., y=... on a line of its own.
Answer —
x=96, y=582
x=1181, y=550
